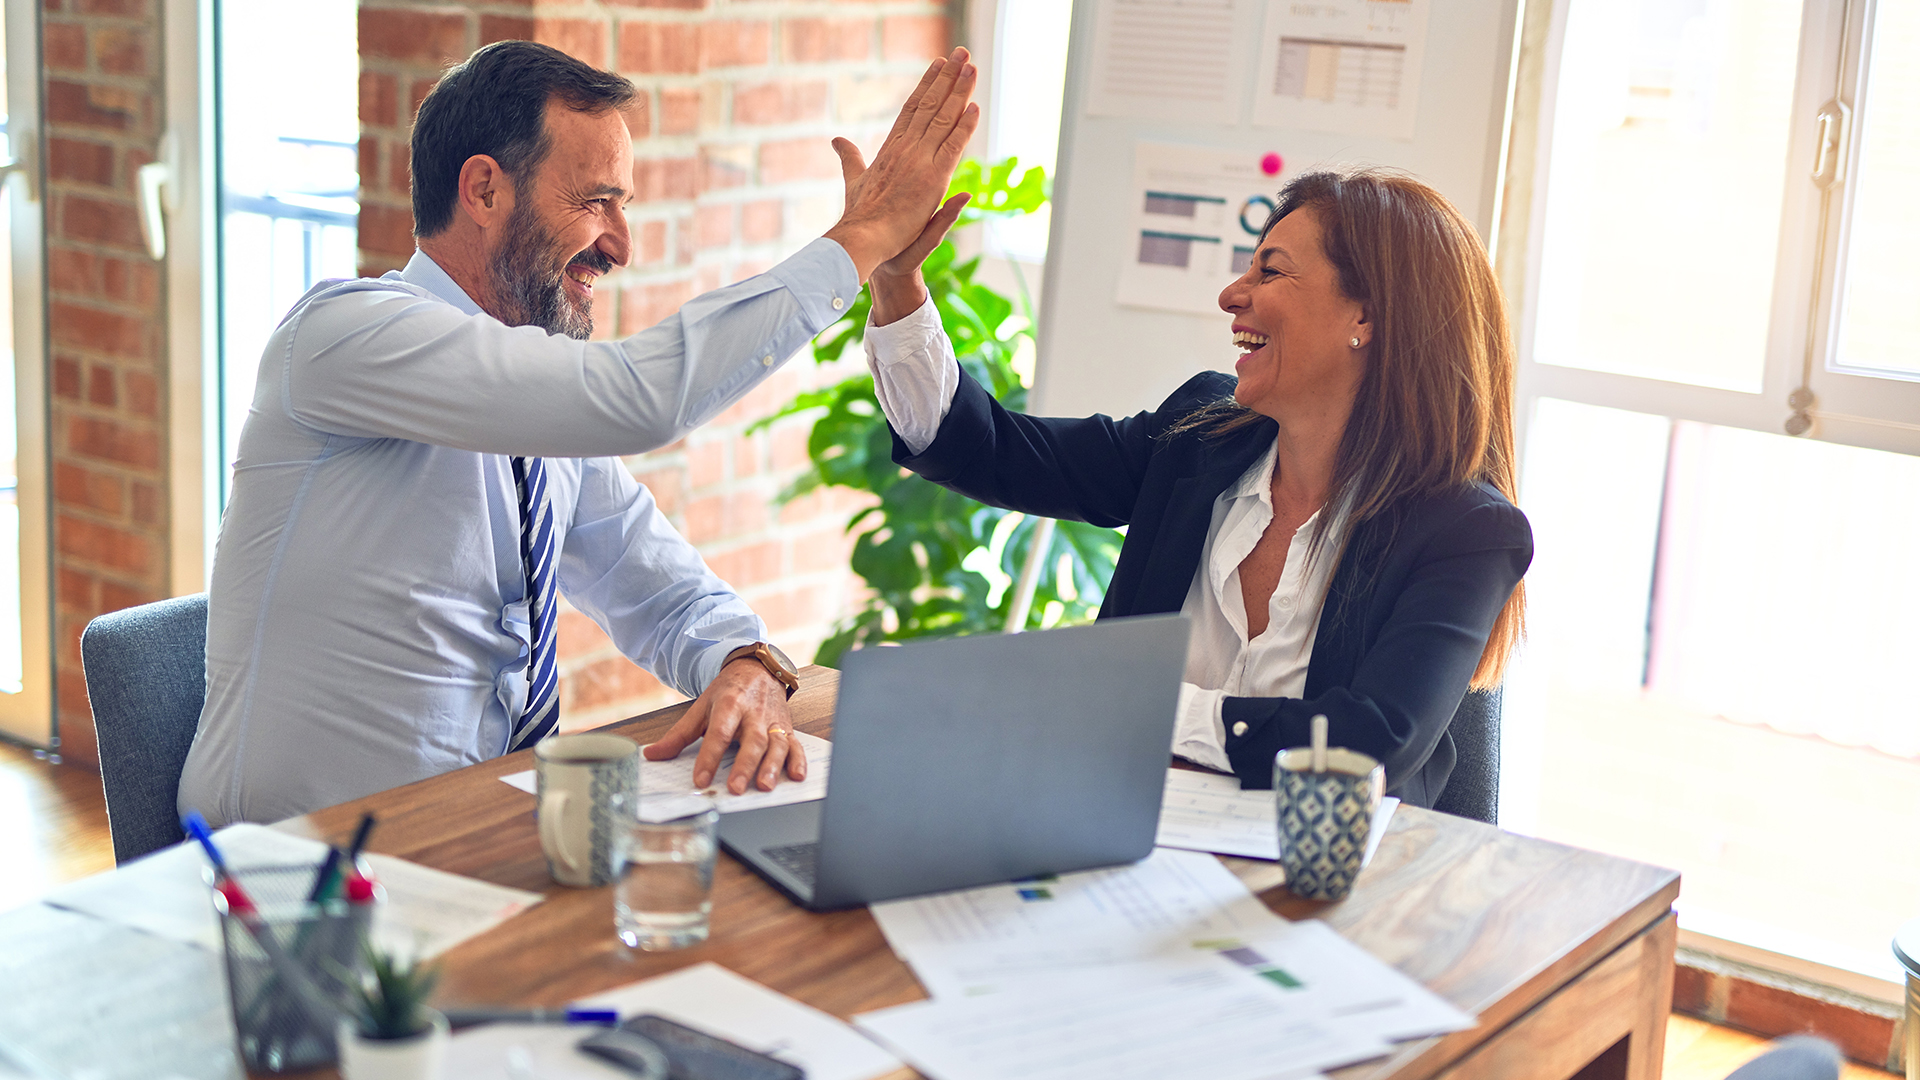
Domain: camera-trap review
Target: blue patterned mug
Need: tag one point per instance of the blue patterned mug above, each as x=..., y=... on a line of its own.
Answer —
x=1325, y=818
x=584, y=784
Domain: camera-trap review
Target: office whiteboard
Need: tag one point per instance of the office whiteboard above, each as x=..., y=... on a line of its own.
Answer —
x=1097, y=354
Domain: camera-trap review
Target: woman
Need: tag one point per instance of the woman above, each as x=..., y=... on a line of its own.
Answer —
x=1338, y=521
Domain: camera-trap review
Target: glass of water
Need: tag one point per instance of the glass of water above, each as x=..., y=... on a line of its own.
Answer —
x=664, y=891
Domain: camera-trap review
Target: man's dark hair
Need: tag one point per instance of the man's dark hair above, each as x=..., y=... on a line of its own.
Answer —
x=495, y=104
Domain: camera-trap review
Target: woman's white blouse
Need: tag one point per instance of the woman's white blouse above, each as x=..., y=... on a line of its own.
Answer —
x=915, y=377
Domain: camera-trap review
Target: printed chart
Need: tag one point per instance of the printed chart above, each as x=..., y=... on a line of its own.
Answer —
x=1197, y=214
x=1345, y=66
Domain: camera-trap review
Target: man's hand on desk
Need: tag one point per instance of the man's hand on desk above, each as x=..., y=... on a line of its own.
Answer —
x=744, y=703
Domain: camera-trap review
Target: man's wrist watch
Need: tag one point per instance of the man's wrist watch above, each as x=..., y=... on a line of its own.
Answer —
x=772, y=659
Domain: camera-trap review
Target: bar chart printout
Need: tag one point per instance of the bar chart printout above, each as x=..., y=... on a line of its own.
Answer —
x=1346, y=66
x=1197, y=214
x=1167, y=60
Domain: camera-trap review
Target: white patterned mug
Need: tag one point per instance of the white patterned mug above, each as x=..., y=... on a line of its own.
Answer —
x=1325, y=818
x=585, y=783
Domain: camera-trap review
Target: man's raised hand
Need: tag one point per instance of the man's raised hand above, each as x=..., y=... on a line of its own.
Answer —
x=891, y=202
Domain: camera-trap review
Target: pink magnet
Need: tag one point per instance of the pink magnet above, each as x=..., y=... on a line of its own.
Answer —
x=1271, y=164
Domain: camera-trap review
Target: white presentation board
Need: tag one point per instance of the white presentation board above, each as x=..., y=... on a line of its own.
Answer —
x=1176, y=115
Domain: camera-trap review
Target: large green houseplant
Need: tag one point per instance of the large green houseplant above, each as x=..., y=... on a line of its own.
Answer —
x=940, y=564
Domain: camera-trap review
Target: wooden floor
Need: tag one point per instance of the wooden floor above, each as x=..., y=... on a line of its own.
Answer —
x=53, y=825
x=53, y=828
x=1697, y=1050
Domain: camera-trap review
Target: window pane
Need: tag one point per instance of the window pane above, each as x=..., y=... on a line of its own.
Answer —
x=1740, y=708
x=1664, y=188
x=1029, y=79
x=1880, y=320
x=289, y=176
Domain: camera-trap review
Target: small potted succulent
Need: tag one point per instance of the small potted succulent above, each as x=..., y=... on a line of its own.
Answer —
x=389, y=1033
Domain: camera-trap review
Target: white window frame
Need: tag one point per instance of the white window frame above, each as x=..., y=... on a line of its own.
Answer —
x=1874, y=412
x=1858, y=410
x=28, y=715
x=1878, y=411
x=193, y=430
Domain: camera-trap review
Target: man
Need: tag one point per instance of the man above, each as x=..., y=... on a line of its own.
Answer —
x=422, y=468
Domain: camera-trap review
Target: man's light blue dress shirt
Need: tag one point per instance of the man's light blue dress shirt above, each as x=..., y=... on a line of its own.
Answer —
x=367, y=624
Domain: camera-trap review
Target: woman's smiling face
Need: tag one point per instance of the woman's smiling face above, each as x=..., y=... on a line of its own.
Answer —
x=1293, y=324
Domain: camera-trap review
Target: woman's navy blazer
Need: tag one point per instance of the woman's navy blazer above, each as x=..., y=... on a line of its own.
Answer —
x=1407, y=613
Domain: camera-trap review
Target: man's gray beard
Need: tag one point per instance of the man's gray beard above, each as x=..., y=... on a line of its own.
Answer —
x=526, y=290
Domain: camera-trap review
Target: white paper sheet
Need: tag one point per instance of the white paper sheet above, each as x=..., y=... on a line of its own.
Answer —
x=432, y=910
x=94, y=999
x=1209, y=812
x=975, y=941
x=1357, y=991
x=665, y=786
x=705, y=996
x=1196, y=218
x=1313, y=967
x=1167, y=60
x=166, y=893
x=1345, y=66
x=1102, y=1009
x=1199, y=1021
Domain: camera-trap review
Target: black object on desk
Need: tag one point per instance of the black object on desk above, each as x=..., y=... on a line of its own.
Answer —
x=638, y=1044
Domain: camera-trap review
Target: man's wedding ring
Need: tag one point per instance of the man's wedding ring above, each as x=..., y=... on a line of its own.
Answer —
x=776, y=731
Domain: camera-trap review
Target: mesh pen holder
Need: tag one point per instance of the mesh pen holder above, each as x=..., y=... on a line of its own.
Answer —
x=290, y=967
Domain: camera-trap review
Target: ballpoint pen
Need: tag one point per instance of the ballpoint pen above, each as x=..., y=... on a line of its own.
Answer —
x=458, y=1017
x=360, y=838
x=196, y=827
x=323, y=878
x=338, y=866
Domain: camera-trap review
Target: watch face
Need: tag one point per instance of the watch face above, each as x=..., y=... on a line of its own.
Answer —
x=782, y=657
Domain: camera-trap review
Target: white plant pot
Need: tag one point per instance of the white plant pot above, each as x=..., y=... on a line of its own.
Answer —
x=418, y=1057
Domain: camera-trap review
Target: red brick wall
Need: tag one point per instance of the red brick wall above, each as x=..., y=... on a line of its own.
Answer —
x=733, y=171
x=106, y=331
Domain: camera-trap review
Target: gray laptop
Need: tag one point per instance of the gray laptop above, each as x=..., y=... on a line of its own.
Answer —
x=973, y=760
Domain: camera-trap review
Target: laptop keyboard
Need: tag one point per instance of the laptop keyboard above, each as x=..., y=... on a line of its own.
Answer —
x=796, y=859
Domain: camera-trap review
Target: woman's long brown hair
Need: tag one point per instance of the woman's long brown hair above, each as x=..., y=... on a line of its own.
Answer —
x=1434, y=411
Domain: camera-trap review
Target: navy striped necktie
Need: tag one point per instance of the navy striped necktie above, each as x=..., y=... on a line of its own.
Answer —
x=542, y=711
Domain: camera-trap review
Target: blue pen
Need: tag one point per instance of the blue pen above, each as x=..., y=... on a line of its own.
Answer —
x=570, y=1015
x=197, y=828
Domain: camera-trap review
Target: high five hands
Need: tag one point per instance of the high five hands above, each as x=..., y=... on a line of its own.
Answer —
x=893, y=205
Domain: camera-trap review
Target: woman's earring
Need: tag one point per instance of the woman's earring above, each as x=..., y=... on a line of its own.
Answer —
x=1355, y=343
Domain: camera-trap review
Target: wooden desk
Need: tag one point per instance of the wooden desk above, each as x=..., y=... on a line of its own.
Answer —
x=1566, y=956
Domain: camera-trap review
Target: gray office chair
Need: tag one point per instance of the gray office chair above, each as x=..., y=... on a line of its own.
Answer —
x=146, y=678
x=1473, y=791
x=1797, y=1057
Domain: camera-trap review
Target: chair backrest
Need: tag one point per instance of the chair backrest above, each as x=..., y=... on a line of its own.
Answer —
x=146, y=679
x=1796, y=1057
x=1473, y=791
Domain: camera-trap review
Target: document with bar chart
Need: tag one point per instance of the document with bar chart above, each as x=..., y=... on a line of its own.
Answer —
x=1196, y=215
x=1345, y=66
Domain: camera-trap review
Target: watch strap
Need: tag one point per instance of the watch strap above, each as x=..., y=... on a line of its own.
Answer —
x=764, y=653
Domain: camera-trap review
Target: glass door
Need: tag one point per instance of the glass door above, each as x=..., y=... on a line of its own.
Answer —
x=26, y=674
